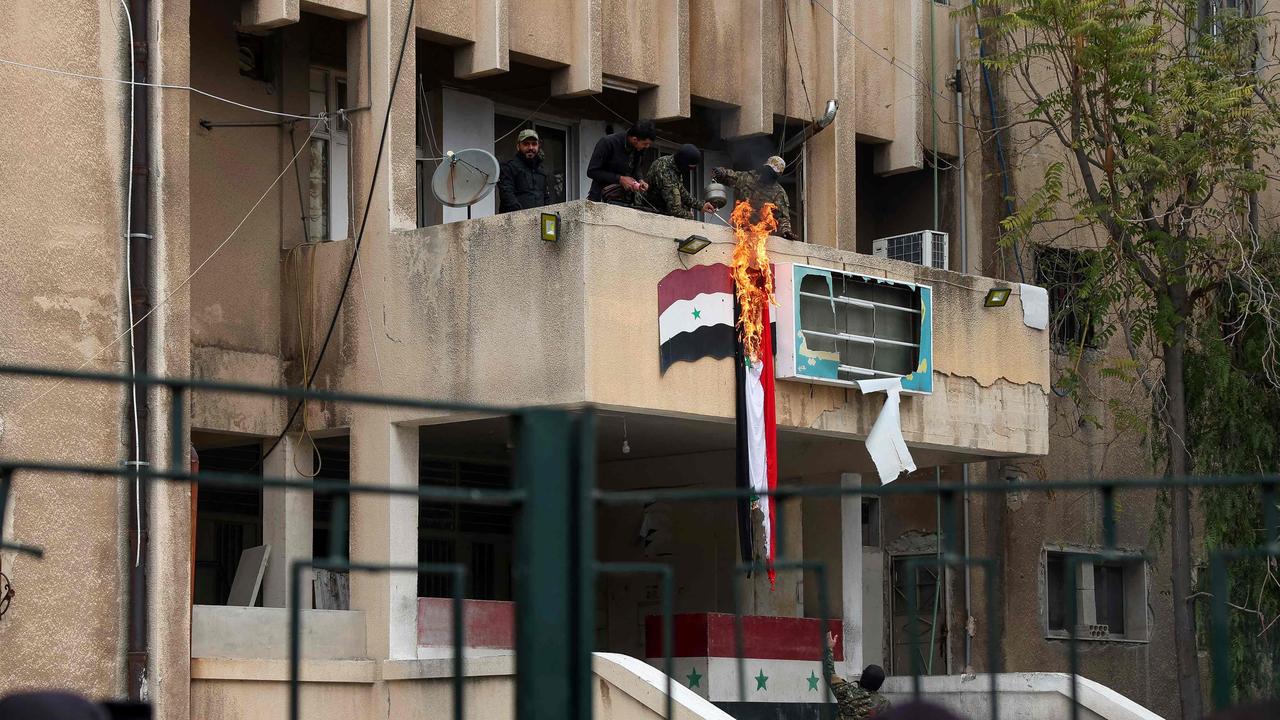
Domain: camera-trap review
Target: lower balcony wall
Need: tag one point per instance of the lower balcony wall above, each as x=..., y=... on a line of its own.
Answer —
x=626, y=689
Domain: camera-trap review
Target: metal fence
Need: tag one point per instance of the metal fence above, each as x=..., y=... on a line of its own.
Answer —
x=555, y=564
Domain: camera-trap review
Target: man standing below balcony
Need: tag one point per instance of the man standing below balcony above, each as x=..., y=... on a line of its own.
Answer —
x=615, y=163
x=759, y=187
x=667, y=193
x=523, y=183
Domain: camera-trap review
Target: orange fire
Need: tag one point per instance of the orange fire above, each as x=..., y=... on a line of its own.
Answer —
x=752, y=276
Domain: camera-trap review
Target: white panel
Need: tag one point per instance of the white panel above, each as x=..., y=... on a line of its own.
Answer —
x=468, y=123
x=339, y=186
x=589, y=133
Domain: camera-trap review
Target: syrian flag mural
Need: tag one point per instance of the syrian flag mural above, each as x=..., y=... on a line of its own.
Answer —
x=695, y=315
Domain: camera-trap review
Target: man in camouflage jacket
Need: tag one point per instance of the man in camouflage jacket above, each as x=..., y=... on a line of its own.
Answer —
x=759, y=187
x=667, y=193
x=855, y=701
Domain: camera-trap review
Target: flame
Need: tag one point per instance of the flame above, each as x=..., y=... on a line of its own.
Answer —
x=752, y=275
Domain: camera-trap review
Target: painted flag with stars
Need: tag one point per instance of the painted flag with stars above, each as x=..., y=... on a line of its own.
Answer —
x=695, y=315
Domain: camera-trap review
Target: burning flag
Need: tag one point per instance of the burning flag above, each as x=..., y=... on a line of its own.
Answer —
x=757, y=460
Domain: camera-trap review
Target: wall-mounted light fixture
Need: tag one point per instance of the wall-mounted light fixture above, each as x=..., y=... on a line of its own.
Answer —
x=692, y=245
x=996, y=297
x=550, y=226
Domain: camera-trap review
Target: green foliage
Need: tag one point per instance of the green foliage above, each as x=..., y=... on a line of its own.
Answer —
x=1158, y=129
x=1237, y=421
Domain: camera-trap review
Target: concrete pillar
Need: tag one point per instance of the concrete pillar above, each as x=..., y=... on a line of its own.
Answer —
x=384, y=530
x=830, y=156
x=851, y=573
x=670, y=99
x=376, y=40
x=287, y=520
x=583, y=76
x=490, y=53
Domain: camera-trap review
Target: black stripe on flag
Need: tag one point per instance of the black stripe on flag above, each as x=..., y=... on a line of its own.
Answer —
x=714, y=341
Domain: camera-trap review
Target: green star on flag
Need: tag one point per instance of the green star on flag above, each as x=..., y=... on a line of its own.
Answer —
x=761, y=681
x=697, y=313
x=695, y=680
x=812, y=680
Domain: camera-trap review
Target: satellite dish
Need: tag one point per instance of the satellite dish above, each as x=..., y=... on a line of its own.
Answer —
x=465, y=177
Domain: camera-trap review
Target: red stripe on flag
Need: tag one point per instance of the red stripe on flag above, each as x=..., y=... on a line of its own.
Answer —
x=688, y=284
x=770, y=434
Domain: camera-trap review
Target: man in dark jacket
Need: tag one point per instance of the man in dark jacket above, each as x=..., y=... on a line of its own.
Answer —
x=523, y=183
x=615, y=163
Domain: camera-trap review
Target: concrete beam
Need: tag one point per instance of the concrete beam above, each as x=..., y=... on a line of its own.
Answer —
x=583, y=76
x=267, y=14
x=340, y=9
x=490, y=53
x=752, y=117
x=670, y=99
x=906, y=152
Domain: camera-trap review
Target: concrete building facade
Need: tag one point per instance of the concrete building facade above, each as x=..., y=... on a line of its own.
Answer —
x=270, y=163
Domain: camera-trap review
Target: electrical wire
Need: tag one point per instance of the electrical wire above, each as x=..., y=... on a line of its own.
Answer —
x=161, y=86
x=355, y=255
x=499, y=139
x=164, y=302
x=128, y=284
x=786, y=7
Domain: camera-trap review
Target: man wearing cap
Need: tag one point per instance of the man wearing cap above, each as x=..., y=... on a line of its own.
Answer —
x=667, y=193
x=523, y=183
x=761, y=186
x=855, y=700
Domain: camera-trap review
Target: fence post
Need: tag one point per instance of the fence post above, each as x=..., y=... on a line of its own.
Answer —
x=553, y=583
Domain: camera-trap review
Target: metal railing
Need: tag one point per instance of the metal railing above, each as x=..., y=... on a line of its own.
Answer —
x=555, y=563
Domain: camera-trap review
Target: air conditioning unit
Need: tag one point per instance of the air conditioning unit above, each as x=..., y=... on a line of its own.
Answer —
x=925, y=247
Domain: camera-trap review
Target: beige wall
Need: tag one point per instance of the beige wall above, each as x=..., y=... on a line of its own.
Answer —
x=62, y=287
x=576, y=321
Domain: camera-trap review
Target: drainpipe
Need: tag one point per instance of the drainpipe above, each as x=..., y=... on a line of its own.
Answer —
x=140, y=300
x=963, y=238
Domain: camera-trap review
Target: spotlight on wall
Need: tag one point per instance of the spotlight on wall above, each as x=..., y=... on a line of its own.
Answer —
x=550, y=226
x=996, y=297
x=692, y=245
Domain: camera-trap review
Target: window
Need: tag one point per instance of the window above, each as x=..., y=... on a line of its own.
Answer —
x=555, y=139
x=328, y=186
x=478, y=536
x=1065, y=274
x=848, y=327
x=870, y=522
x=1111, y=596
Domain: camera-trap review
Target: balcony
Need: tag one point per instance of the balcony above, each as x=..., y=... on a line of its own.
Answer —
x=486, y=311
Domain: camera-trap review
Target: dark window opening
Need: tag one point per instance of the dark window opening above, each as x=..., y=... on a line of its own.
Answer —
x=334, y=457
x=1064, y=273
x=228, y=521
x=478, y=536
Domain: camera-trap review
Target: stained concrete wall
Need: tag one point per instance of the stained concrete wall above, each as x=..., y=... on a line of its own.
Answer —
x=624, y=689
x=576, y=321
x=62, y=287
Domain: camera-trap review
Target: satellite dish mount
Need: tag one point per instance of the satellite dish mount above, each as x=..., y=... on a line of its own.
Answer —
x=465, y=178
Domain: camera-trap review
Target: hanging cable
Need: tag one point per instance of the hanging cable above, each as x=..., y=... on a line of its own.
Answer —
x=309, y=377
x=161, y=86
x=165, y=301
